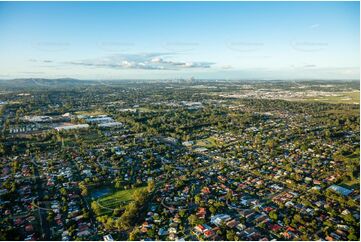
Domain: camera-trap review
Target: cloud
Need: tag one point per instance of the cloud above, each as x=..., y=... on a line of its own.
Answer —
x=309, y=66
x=144, y=61
x=33, y=72
x=304, y=66
x=314, y=26
x=226, y=67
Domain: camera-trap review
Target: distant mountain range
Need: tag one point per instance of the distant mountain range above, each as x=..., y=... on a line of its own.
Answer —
x=42, y=82
x=29, y=82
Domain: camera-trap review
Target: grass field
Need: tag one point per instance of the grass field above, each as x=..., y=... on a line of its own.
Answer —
x=118, y=198
x=144, y=110
x=339, y=97
x=353, y=184
x=208, y=143
x=88, y=136
x=91, y=113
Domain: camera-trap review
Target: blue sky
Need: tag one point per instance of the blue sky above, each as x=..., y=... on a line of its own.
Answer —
x=150, y=40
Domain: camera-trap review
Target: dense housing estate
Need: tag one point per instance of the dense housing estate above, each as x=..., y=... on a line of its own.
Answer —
x=175, y=160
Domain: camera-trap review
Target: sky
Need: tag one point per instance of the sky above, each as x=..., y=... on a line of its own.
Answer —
x=173, y=40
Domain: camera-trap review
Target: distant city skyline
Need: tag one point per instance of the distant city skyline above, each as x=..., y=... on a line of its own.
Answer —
x=166, y=40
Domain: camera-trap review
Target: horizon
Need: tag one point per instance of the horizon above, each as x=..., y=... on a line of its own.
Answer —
x=180, y=40
x=183, y=79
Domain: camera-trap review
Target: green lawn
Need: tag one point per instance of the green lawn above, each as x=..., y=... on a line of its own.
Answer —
x=208, y=143
x=353, y=184
x=144, y=109
x=341, y=97
x=92, y=113
x=88, y=136
x=118, y=198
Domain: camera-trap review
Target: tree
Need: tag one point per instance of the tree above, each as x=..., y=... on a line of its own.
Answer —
x=349, y=218
x=50, y=216
x=96, y=208
x=134, y=234
x=151, y=233
x=139, y=196
x=229, y=195
x=212, y=210
x=118, y=184
x=128, y=216
x=83, y=188
x=273, y=215
x=352, y=237
x=84, y=192
x=109, y=223
x=2, y=149
x=192, y=219
x=182, y=213
x=63, y=191
x=150, y=186
x=197, y=199
x=230, y=235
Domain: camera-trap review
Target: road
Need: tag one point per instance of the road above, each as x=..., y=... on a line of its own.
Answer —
x=44, y=225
